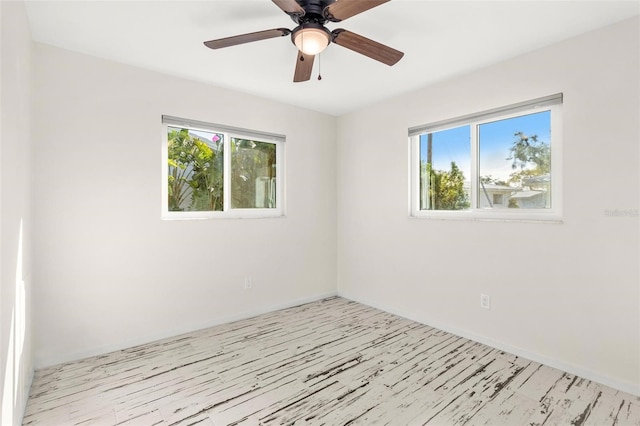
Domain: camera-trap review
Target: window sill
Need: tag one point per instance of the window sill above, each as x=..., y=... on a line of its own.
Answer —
x=187, y=216
x=483, y=217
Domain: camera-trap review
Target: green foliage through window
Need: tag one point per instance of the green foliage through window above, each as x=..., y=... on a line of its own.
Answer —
x=253, y=173
x=196, y=178
x=446, y=189
x=195, y=170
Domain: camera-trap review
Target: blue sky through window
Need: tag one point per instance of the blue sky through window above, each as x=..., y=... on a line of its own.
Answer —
x=447, y=146
x=495, y=140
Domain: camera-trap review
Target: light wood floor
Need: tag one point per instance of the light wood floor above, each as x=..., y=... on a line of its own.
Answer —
x=332, y=362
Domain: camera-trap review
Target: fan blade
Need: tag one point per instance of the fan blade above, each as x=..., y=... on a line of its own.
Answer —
x=343, y=9
x=246, y=38
x=304, y=66
x=290, y=7
x=366, y=47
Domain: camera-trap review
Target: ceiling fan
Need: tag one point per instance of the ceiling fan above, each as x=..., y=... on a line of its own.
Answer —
x=311, y=36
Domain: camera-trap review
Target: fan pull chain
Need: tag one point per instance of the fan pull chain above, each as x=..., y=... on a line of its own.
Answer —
x=319, y=68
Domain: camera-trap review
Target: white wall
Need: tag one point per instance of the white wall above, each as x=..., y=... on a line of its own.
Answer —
x=110, y=272
x=579, y=306
x=15, y=219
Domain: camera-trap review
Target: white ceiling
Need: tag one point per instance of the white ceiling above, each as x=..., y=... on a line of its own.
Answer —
x=440, y=39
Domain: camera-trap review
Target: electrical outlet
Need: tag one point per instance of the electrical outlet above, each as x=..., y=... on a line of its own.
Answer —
x=485, y=301
x=248, y=283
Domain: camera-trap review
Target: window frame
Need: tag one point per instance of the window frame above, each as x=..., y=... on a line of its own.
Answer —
x=551, y=103
x=229, y=133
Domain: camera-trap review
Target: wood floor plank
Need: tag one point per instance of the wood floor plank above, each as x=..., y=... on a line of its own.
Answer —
x=331, y=362
x=150, y=418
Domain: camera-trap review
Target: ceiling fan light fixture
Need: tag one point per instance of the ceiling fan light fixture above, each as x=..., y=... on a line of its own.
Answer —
x=311, y=40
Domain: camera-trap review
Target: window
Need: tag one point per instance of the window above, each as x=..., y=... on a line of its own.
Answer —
x=498, y=164
x=214, y=171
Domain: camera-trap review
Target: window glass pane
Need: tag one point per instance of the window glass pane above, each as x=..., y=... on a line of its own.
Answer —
x=445, y=168
x=515, y=162
x=253, y=174
x=195, y=178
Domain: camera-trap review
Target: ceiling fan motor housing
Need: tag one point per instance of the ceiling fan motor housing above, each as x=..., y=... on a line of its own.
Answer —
x=314, y=11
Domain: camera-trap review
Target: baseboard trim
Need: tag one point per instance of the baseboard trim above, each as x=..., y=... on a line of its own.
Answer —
x=614, y=383
x=44, y=362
